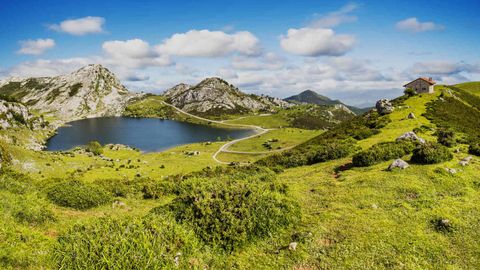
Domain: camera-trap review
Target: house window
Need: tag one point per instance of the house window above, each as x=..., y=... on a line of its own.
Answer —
x=424, y=89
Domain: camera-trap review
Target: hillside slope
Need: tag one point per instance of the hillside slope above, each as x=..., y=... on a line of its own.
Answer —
x=311, y=97
x=91, y=91
x=214, y=96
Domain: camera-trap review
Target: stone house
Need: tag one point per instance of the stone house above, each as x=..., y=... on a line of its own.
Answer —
x=421, y=85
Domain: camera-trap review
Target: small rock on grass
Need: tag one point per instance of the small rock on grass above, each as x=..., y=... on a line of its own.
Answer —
x=292, y=246
x=398, y=163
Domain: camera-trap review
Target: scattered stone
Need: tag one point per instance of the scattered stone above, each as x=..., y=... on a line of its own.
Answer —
x=411, y=136
x=398, y=163
x=374, y=206
x=411, y=116
x=465, y=161
x=292, y=246
x=118, y=204
x=192, y=153
x=177, y=259
x=443, y=225
x=457, y=150
x=451, y=171
x=384, y=106
x=208, y=143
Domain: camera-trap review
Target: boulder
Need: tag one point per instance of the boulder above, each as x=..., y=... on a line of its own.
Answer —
x=465, y=161
x=398, y=163
x=384, y=106
x=451, y=171
x=411, y=136
x=411, y=116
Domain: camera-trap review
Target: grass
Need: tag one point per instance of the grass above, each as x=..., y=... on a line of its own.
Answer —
x=351, y=218
x=277, y=139
x=473, y=87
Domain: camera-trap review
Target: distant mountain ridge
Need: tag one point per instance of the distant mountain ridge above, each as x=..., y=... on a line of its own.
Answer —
x=311, y=97
x=215, y=96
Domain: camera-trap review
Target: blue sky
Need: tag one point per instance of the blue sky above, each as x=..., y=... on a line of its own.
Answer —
x=356, y=51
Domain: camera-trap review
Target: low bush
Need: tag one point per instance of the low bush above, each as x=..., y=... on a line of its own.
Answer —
x=77, y=195
x=94, y=147
x=228, y=214
x=410, y=92
x=149, y=243
x=474, y=149
x=446, y=137
x=431, y=153
x=382, y=152
x=311, y=154
x=14, y=182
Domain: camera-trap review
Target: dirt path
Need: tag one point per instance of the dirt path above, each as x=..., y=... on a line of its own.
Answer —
x=224, y=148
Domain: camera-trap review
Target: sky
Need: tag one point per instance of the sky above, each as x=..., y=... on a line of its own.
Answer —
x=354, y=51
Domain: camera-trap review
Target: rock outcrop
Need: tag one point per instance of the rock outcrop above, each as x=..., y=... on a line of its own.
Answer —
x=411, y=136
x=398, y=163
x=216, y=96
x=15, y=115
x=384, y=106
x=91, y=91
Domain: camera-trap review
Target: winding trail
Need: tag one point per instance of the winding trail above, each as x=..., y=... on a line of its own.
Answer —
x=224, y=148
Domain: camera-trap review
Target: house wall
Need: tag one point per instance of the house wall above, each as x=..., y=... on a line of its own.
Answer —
x=420, y=86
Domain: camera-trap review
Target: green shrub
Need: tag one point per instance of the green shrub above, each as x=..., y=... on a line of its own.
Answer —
x=382, y=152
x=311, y=154
x=474, y=149
x=74, y=89
x=77, y=195
x=14, y=182
x=446, y=137
x=431, y=153
x=94, y=147
x=132, y=243
x=228, y=214
x=410, y=92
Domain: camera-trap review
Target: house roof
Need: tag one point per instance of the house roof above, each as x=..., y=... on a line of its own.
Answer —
x=428, y=80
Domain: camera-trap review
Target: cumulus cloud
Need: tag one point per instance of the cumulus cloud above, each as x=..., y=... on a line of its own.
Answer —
x=267, y=61
x=42, y=67
x=316, y=42
x=35, y=47
x=81, y=26
x=412, y=25
x=205, y=43
x=443, y=68
x=335, y=18
x=133, y=53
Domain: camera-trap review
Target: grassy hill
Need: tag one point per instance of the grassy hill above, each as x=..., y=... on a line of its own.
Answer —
x=314, y=206
x=311, y=97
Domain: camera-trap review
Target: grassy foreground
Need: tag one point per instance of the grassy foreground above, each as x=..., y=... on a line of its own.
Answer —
x=174, y=210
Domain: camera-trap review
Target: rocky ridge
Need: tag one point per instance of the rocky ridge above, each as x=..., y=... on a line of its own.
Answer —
x=216, y=96
x=92, y=91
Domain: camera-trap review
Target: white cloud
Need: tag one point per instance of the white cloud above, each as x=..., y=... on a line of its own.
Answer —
x=35, y=47
x=267, y=61
x=335, y=18
x=133, y=53
x=316, y=42
x=205, y=43
x=43, y=68
x=414, y=26
x=443, y=68
x=81, y=26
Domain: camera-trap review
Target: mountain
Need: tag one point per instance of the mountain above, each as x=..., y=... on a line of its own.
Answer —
x=311, y=97
x=91, y=91
x=215, y=96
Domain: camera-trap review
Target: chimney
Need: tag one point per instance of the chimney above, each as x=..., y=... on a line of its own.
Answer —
x=430, y=79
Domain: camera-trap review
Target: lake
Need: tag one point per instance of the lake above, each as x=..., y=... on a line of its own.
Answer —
x=146, y=134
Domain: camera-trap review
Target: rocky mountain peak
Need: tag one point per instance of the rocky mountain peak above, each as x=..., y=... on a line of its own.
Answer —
x=216, y=96
x=91, y=91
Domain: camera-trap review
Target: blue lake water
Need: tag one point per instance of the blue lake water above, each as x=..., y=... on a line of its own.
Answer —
x=146, y=134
